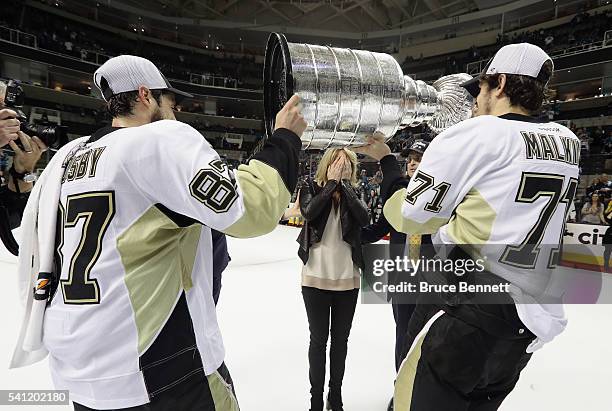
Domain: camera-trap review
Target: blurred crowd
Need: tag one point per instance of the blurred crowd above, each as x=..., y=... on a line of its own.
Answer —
x=594, y=140
x=369, y=189
x=88, y=43
x=597, y=203
x=584, y=29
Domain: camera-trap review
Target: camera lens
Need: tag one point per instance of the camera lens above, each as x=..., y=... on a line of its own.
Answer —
x=53, y=136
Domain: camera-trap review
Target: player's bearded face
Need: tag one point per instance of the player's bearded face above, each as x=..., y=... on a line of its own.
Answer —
x=165, y=109
x=483, y=103
x=156, y=115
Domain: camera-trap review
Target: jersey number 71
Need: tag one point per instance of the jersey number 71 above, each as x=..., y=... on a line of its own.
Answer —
x=534, y=186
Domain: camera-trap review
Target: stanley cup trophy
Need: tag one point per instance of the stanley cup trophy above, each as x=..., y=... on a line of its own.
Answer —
x=347, y=95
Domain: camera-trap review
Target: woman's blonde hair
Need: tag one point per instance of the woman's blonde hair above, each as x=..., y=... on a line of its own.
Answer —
x=328, y=158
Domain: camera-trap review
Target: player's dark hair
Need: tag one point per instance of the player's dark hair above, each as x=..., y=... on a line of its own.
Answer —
x=122, y=104
x=525, y=91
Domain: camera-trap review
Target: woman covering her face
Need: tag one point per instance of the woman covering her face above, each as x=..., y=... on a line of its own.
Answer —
x=330, y=248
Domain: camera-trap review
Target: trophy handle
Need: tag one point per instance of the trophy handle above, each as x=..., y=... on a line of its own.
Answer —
x=278, y=79
x=454, y=102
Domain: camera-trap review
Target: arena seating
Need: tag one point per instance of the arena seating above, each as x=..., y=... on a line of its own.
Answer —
x=91, y=43
x=584, y=29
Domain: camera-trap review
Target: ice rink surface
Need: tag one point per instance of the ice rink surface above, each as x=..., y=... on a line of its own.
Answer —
x=262, y=317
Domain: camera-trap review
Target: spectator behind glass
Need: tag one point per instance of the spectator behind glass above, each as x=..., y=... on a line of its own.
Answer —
x=373, y=205
x=592, y=213
x=607, y=239
x=595, y=185
x=605, y=183
x=378, y=177
x=364, y=177
x=585, y=144
x=605, y=191
x=607, y=148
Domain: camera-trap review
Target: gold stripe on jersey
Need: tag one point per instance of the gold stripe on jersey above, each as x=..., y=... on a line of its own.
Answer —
x=265, y=198
x=473, y=220
x=393, y=214
x=404, y=384
x=158, y=258
x=407, y=374
x=222, y=393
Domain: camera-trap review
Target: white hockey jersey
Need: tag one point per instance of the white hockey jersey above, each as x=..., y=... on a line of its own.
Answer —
x=505, y=183
x=133, y=313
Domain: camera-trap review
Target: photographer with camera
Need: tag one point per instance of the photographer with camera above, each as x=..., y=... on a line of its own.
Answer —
x=9, y=126
x=14, y=195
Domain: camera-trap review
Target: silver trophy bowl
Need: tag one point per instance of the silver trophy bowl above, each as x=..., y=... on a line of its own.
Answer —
x=348, y=95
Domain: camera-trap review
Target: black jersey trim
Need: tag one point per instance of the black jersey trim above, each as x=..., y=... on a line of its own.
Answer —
x=179, y=219
x=281, y=152
x=98, y=134
x=173, y=357
x=521, y=117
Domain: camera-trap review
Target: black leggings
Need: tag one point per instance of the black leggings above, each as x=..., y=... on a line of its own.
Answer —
x=319, y=304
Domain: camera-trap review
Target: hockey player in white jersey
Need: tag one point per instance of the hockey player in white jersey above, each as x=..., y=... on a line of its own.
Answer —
x=132, y=322
x=502, y=178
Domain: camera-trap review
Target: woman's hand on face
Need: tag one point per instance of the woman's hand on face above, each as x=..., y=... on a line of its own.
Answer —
x=334, y=172
x=347, y=170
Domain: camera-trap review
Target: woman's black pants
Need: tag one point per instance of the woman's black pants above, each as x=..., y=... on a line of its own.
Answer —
x=321, y=305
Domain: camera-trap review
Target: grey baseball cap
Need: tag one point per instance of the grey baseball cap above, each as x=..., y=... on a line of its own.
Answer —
x=522, y=59
x=127, y=73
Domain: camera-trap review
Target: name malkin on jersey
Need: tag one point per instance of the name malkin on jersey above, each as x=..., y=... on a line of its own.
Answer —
x=546, y=147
